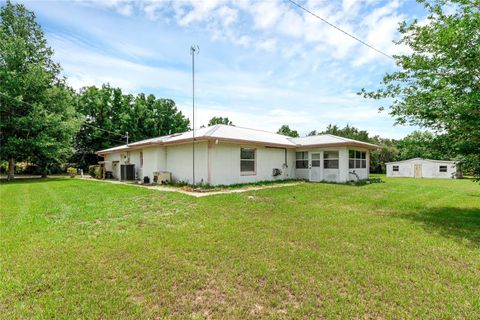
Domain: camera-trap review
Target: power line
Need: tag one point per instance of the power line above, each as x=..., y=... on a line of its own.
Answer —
x=339, y=29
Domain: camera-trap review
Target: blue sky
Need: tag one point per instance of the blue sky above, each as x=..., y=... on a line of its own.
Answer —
x=261, y=63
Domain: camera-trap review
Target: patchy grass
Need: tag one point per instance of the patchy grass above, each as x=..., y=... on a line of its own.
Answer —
x=211, y=188
x=80, y=249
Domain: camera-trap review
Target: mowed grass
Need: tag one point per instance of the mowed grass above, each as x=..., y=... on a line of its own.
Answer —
x=83, y=249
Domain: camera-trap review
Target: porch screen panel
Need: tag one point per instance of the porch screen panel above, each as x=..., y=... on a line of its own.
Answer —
x=301, y=160
x=357, y=159
x=330, y=159
x=315, y=159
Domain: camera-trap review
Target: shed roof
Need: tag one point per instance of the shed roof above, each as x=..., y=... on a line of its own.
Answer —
x=421, y=159
x=243, y=135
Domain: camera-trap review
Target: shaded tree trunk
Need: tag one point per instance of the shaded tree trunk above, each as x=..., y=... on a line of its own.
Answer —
x=11, y=169
x=44, y=172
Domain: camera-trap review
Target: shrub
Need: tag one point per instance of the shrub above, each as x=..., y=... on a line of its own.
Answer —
x=72, y=172
x=95, y=171
x=91, y=171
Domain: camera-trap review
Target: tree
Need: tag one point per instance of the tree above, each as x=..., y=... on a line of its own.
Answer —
x=286, y=131
x=220, y=120
x=347, y=132
x=419, y=144
x=109, y=115
x=33, y=114
x=437, y=85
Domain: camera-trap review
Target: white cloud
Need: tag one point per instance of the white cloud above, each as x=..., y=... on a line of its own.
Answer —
x=268, y=44
x=285, y=66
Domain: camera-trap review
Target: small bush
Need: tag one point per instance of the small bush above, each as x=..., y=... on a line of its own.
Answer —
x=95, y=171
x=72, y=172
x=363, y=182
x=91, y=171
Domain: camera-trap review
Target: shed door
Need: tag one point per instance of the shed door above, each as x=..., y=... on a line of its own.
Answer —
x=315, y=169
x=418, y=171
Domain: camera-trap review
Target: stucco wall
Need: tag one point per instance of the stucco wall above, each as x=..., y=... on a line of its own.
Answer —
x=154, y=159
x=430, y=169
x=179, y=162
x=225, y=164
x=110, y=158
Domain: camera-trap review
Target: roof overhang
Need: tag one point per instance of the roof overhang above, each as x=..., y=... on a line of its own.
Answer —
x=367, y=146
x=189, y=140
x=137, y=146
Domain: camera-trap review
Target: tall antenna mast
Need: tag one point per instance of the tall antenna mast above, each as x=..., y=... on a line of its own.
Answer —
x=194, y=50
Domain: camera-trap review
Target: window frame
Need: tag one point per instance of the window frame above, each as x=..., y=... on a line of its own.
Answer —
x=303, y=160
x=359, y=159
x=254, y=160
x=441, y=167
x=327, y=160
x=316, y=161
x=397, y=167
x=141, y=159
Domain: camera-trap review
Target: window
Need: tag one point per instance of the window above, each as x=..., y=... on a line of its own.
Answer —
x=315, y=159
x=443, y=168
x=357, y=159
x=330, y=159
x=301, y=160
x=141, y=159
x=395, y=168
x=247, y=160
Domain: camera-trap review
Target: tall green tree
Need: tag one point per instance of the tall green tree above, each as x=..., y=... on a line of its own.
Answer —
x=437, y=85
x=220, y=120
x=109, y=114
x=286, y=131
x=347, y=132
x=33, y=114
x=423, y=144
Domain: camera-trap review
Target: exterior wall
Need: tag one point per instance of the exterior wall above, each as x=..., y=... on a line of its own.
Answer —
x=225, y=164
x=179, y=162
x=154, y=159
x=342, y=174
x=430, y=169
x=110, y=158
x=219, y=163
x=135, y=159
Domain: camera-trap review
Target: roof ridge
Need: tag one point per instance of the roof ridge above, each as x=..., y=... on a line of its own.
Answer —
x=212, y=130
x=254, y=129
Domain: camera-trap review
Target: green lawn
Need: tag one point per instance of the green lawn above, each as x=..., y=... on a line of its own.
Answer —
x=83, y=249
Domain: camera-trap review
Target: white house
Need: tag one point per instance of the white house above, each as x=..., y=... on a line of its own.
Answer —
x=229, y=155
x=423, y=168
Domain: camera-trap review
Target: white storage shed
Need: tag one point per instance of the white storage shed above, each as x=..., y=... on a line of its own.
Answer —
x=423, y=168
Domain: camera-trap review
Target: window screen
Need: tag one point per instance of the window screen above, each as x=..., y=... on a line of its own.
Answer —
x=247, y=160
x=330, y=159
x=301, y=160
x=443, y=168
x=395, y=168
x=315, y=159
x=357, y=159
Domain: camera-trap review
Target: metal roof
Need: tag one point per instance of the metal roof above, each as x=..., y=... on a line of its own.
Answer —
x=421, y=159
x=243, y=135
